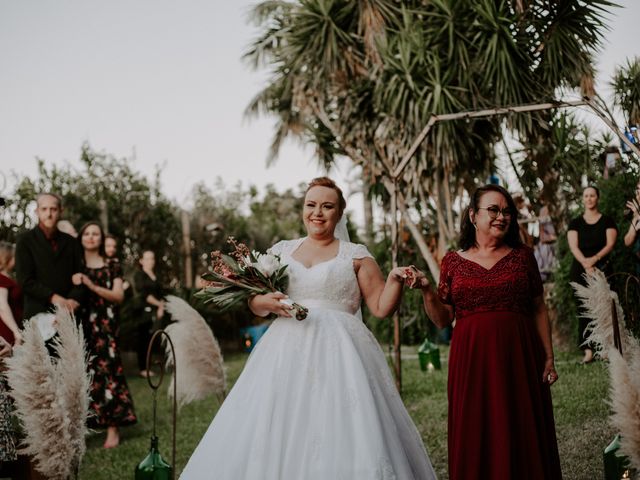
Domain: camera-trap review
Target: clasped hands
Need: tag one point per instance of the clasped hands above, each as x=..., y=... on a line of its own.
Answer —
x=589, y=264
x=411, y=277
x=82, y=279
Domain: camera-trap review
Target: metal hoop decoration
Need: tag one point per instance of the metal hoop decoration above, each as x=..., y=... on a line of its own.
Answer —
x=617, y=339
x=155, y=388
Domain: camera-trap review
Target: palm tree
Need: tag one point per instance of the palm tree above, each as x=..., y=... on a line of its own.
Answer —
x=362, y=79
x=626, y=90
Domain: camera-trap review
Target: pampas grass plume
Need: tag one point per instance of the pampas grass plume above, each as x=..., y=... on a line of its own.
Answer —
x=596, y=298
x=624, y=372
x=625, y=401
x=199, y=364
x=52, y=397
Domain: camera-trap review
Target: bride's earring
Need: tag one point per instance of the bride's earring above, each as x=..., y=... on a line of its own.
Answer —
x=475, y=226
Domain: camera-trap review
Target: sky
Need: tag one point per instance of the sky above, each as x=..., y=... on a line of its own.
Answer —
x=163, y=82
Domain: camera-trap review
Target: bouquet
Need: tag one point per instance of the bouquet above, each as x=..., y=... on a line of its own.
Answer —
x=243, y=273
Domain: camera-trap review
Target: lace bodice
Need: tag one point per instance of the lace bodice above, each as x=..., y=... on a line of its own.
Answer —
x=510, y=285
x=333, y=281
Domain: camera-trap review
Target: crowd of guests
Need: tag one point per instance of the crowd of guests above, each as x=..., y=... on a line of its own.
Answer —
x=494, y=275
x=57, y=266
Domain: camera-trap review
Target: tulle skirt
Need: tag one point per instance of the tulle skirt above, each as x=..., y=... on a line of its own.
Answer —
x=316, y=401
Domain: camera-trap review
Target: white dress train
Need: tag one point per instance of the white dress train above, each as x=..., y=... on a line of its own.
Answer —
x=316, y=400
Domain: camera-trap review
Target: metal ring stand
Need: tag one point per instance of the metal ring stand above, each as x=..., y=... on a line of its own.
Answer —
x=155, y=388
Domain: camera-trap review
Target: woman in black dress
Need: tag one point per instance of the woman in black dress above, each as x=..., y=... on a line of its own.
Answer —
x=591, y=238
x=111, y=404
x=150, y=298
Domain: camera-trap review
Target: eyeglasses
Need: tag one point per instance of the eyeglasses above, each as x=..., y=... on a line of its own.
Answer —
x=494, y=211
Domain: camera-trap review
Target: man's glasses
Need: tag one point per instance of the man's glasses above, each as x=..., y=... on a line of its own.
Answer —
x=494, y=211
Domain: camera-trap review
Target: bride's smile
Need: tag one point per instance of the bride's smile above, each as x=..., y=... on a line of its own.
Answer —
x=321, y=213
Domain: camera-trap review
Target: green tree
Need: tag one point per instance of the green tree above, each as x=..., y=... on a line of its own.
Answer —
x=258, y=220
x=363, y=78
x=626, y=90
x=109, y=190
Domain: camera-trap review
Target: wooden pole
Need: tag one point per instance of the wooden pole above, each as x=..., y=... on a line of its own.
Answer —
x=591, y=104
x=397, y=364
x=104, y=214
x=186, y=245
x=489, y=112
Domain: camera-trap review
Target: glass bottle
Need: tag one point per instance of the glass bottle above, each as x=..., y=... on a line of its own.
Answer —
x=153, y=467
x=429, y=355
x=615, y=464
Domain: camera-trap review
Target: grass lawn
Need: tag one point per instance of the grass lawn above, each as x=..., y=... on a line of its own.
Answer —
x=579, y=399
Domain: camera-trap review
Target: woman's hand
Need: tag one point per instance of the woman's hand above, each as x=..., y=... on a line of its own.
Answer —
x=412, y=277
x=589, y=263
x=87, y=282
x=549, y=375
x=76, y=278
x=263, y=305
x=160, y=311
x=17, y=337
x=399, y=274
x=5, y=348
x=633, y=206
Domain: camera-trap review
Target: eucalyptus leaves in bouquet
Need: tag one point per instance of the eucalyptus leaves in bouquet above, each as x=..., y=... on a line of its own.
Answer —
x=244, y=273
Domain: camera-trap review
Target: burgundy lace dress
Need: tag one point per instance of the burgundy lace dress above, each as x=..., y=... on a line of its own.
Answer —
x=500, y=413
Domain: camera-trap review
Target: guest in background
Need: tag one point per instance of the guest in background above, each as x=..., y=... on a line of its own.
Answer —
x=111, y=252
x=46, y=260
x=111, y=248
x=524, y=219
x=501, y=362
x=545, y=249
x=7, y=430
x=591, y=238
x=111, y=404
x=150, y=297
x=10, y=297
x=631, y=238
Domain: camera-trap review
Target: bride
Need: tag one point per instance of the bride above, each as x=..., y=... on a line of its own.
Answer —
x=316, y=400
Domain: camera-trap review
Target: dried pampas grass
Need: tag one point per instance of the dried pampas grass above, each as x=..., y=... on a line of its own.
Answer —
x=596, y=300
x=52, y=397
x=625, y=401
x=624, y=372
x=199, y=364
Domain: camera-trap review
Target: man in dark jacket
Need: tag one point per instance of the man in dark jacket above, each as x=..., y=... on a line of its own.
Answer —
x=46, y=260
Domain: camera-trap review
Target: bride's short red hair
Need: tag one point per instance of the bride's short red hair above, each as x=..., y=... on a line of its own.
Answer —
x=327, y=182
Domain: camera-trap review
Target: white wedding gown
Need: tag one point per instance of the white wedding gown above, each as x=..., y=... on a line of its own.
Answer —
x=316, y=400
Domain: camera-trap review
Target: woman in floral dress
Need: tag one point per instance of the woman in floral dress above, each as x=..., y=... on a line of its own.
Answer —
x=111, y=404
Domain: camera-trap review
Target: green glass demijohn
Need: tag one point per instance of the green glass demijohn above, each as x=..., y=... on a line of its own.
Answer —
x=153, y=467
x=429, y=354
x=616, y=465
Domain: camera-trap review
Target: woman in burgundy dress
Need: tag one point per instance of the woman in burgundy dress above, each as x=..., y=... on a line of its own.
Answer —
x=10, y=318
x=501, y=361
x=10, y=297
x=111, y=403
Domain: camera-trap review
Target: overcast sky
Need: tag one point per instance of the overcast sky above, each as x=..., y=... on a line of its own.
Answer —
x=162, y=78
